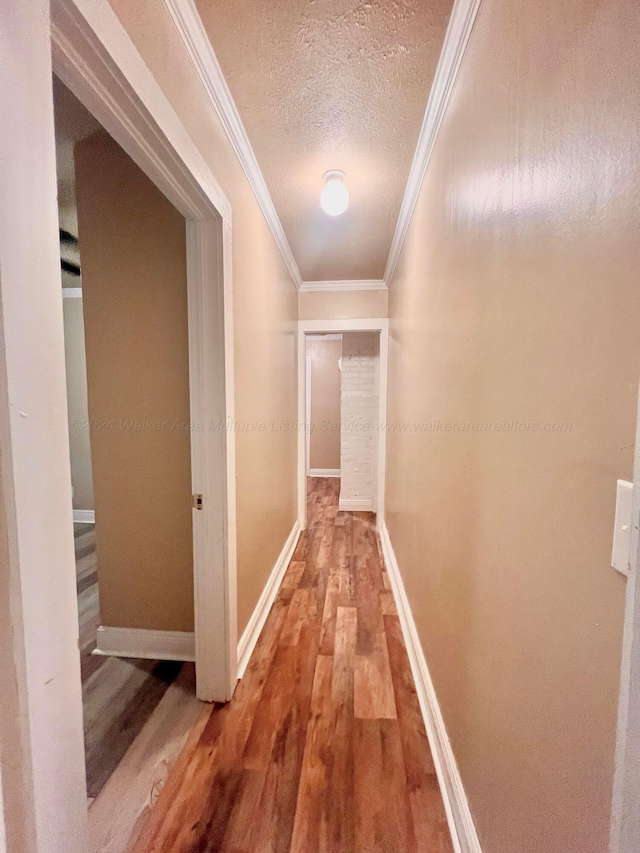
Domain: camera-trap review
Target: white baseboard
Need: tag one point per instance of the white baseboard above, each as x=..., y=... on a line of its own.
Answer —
x=346, y=505
x=463, y=831
x=142, y=643
x=258, y=617
x=324, y=472
x=179, y=645
x=84, y=516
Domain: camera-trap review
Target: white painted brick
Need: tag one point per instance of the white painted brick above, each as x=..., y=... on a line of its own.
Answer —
x=359, y=409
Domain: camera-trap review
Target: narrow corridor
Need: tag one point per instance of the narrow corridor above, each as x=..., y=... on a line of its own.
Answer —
x=323, y=747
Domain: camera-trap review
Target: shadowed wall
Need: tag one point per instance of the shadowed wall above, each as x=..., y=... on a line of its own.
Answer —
x=79, y=443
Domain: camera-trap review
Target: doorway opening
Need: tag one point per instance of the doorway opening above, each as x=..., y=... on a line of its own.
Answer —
x=133, y=115
x=125, y=308
x=342, y=400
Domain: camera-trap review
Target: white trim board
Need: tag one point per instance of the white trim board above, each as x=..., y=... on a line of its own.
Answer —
x=324, y=472
x=355, y=284
x=84, y=516
x=146, y=644
x=251, y=633
x=198, y=46
x=72, y=293
x=364, y=324
x=463, y=831
x=456, y=38
x=354, y=505
x=314, y=327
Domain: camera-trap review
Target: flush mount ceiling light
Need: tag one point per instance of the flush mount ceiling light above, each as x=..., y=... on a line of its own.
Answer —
x=334, y=197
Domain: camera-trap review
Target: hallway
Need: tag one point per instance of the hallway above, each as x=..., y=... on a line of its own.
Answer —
x=202, y=203
x=323, y=746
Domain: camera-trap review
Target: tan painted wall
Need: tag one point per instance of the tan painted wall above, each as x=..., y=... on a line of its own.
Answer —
x=516, y=300
x=345, y=305
x=132, y=242
x=265, y=307
x=324, y=440
x=76, y=364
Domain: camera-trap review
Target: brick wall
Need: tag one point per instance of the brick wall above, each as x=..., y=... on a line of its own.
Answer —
x=359, y=412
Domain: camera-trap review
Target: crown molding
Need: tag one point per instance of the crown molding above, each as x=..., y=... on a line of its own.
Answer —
x=456, y=38
x=191, y=29
x=356, y=284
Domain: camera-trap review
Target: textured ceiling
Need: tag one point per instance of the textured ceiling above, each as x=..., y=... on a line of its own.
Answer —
x=331, y=84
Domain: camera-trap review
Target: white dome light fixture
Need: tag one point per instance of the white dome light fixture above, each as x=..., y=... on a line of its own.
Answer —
x=334, y=198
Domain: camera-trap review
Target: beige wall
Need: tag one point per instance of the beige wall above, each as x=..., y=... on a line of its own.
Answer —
x=324, y=440
x=132, y=242
x=76, y=365
x=265, y=309
x=516, y=299
x=343, y=305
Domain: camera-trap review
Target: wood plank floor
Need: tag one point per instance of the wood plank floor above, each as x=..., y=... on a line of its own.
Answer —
x=323, y=747
x=119, y=811
x=119, y=695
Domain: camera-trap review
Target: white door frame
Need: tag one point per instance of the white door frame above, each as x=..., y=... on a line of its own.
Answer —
x=625, y=812
x=41, y=733
x=306, y=327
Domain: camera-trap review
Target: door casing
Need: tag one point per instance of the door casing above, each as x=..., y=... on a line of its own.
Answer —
x=41, y=731
x=306, y=327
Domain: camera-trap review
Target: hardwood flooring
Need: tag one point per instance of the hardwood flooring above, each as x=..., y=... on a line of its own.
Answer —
x=118, y=694
x=323, y=747
x=119, y=811
x=138, y=715
x=88, y=604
